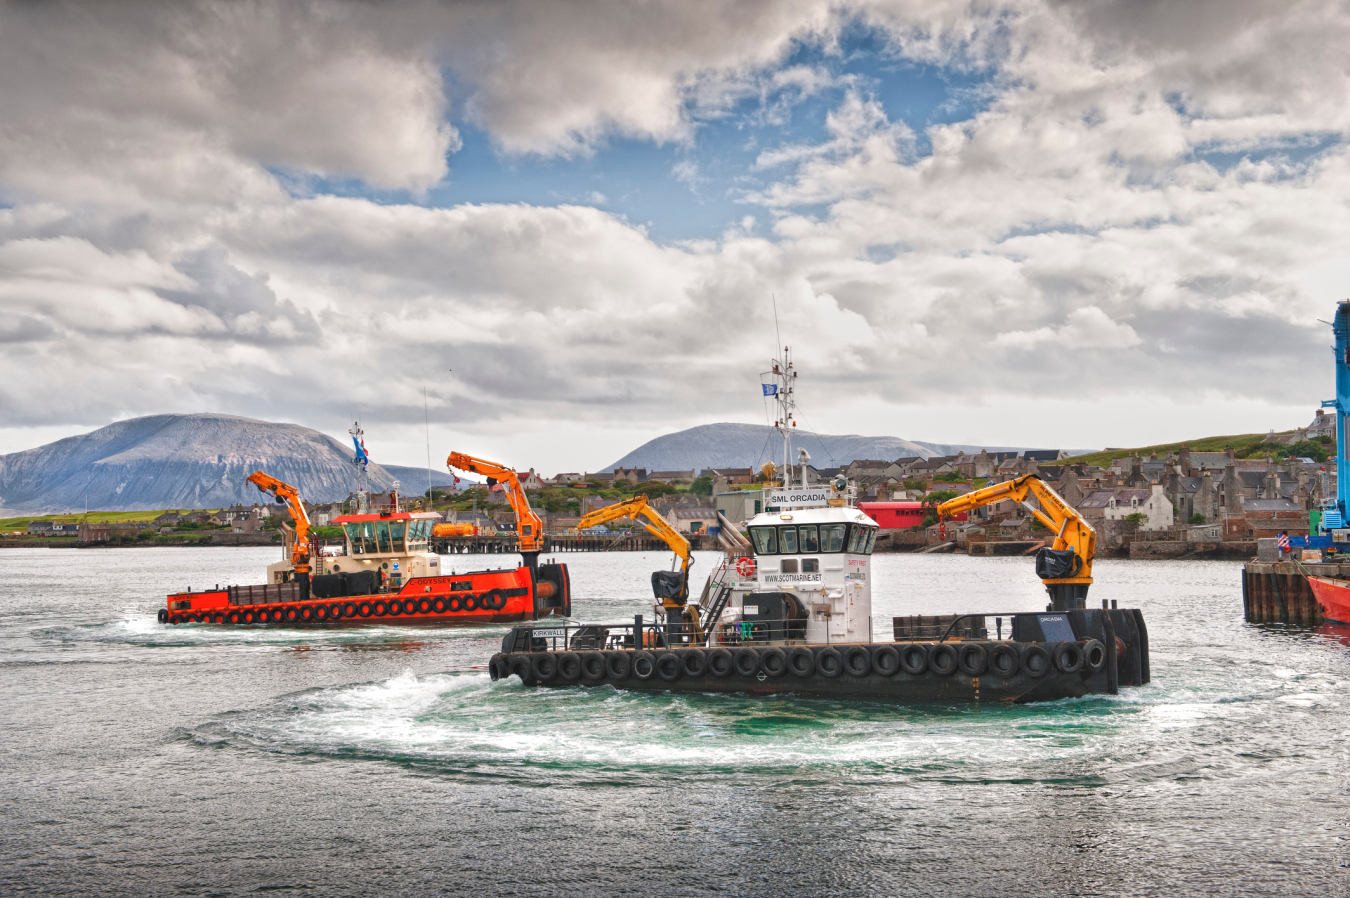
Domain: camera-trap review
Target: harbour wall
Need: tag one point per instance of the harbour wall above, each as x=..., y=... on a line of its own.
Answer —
x=1278, y=592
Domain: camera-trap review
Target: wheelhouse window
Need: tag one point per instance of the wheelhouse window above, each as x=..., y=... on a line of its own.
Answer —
x=856, y=539
x=807, y=540
x=832, y=537
x=787, y=540
x=396, y=529
x=382, y=536
x=766, y=540
x=871, y=540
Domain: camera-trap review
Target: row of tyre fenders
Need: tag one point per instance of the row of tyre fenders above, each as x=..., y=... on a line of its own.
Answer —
x=316, y=612
x=974, y=659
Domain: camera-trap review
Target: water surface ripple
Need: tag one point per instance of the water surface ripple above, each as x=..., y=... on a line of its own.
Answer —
x=140, y=759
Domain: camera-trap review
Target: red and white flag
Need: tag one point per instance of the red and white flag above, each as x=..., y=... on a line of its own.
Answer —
x=1284, y=543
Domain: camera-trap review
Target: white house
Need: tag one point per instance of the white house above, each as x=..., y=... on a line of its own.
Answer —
x=1152, y=502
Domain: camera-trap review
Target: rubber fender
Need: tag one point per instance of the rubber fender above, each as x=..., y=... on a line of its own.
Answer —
x=381, y=609
x=972, y=658
x=802, y=662
x=364, y=609
x=493, y=600
x=569, y=667
x=914, y=659
x=471, y=603
x=829, y=663
x=175, y=620
x=438, y=606
x=163, y=615
x=858, y=660
x=694, y=662
x=544, y=666
x=619, y=665
x=773, y=662
x=1094, y=655
x=248, y=617
x=521, y=667
x=719, y=663
x=1003, y=662
x=306, y=613
x=942, y=660
x=885, y=660
x=337, y=612
x=1035, y=660
x=292, y=614
x=1068, y=657
x=219, y=618
x=495, y=667
x=668, y=666
x=644, y=665
x=455, y=603
x=746, y=661
x=234, y=617
x=593, y=666
x=321, y=612
x=424, y=606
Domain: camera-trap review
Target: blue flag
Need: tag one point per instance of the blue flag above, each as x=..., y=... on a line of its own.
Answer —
x=361, y=455
x=770, y=389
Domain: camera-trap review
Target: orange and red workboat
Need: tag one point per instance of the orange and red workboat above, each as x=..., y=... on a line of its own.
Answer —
x=1334, y=598
x=386, y=574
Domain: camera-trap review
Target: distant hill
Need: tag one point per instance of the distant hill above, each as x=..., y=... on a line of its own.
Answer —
x=185, y=461
x=1240, y=442
x=750, y=445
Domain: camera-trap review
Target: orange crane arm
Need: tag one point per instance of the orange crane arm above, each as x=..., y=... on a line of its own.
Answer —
x=1071, y=531
x=529, y=528
x=300, y=549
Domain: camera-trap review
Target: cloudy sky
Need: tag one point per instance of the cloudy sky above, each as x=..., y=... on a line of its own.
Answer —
x=1029, y=223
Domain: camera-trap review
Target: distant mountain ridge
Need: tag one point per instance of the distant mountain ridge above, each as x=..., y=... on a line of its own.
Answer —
x=750, y=445
x=186, y=461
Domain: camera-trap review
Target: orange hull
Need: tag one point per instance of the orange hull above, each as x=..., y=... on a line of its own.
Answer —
x=1334, y=598
x=472, y=598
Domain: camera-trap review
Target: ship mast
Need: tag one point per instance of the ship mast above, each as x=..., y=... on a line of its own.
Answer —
x=359, y=462
x=785, y=384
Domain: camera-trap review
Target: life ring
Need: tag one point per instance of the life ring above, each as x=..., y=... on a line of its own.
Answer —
x=1003, y=661
x=618, y=665
x=1094, y=655
x=1068, y=657
x=471, y=603
x=1035, y=660
x=694, y=663
x=858, y=661
x=972, y=659
x=424, y=606
x=914, y=659
x=233, y=617
x=886, y=661
x=773, y=662
x=521, y=667
x=493, y=600
x=455, y=603
x=942, y=660
x=746, y=662
x=381, y=609
x=569, y=667
x=644, y=665
x=745, y=566
x=438, y=605
x=829, y=663
x=544, y=666
x=801, y=662
x=719, y=663
x=365, y=609
x=668, y=666
x=163, y=615
x=593, y=666
x=292, y=614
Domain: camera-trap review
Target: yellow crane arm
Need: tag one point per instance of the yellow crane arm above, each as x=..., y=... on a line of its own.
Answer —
x=529, y=527
x=1071, y=531
x=300, y=548
x=637, y=509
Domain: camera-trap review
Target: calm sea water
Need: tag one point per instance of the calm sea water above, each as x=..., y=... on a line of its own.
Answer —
x=138, y=759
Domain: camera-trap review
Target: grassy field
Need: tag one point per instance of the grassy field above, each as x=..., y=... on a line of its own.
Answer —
x=112, y=517
x=1240, y=443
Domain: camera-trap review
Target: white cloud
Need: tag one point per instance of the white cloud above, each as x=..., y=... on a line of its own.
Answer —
x=1085, y=328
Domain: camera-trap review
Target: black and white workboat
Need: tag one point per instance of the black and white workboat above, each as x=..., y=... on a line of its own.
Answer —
x=789, y=610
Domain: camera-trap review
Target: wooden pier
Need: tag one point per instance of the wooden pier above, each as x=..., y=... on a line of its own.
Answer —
x=1278, y=592
x=505, y=545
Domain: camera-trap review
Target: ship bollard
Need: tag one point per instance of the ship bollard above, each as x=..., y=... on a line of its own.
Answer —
x=637, y=632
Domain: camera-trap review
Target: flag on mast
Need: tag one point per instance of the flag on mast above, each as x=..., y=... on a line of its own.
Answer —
x=770, y=389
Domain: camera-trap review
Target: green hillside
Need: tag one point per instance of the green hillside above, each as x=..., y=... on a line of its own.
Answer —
x=1240, y=443
x=10, y=524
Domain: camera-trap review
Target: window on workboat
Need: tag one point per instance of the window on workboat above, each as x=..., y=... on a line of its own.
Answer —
x=382, y=535
x=787, y=540
x=807, y=540
x=832, y=537
x=396, y=529
x=766, y=540
x=361, y=537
